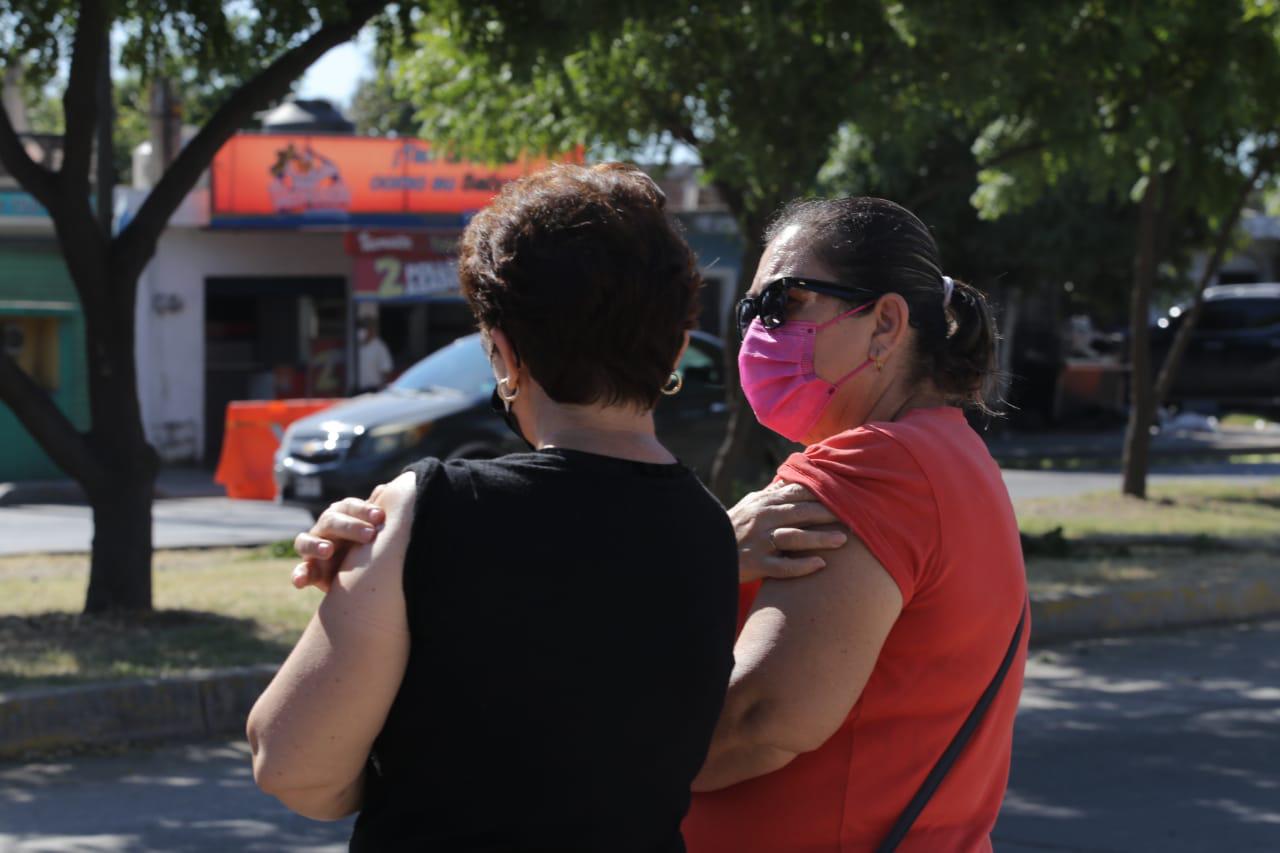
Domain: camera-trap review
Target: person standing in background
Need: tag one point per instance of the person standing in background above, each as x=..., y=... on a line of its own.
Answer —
x=374, y=363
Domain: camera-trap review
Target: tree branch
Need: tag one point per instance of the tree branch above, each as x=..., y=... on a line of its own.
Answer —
x=79, y=101
x=47, y=424
x=1182, y=339
x=136, y=243
x=869, y=64
x=32, y=176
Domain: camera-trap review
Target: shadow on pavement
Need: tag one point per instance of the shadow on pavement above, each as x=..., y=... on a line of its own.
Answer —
x=1166, y=743
x=187, y=799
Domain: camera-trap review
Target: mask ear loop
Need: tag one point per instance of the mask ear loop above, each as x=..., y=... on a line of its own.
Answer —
x=849, y=313
x=861, y=367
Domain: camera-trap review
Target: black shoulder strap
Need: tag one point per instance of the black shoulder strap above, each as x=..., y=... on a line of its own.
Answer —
x=939, y=771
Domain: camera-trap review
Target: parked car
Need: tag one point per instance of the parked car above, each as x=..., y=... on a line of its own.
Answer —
x=1233, y=361
x=440, y=407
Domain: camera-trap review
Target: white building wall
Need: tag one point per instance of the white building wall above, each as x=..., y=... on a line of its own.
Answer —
x=171, y=326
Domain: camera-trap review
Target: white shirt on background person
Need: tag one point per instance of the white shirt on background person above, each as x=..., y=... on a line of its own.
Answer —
x=375, y=363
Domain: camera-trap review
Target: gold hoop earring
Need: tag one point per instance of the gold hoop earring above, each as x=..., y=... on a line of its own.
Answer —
x=879, y=360
x=508, y=399
x=674, y=383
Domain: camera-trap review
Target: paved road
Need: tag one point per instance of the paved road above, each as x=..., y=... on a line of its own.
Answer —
x=178, y=523
x=1161, y=743
x=1048, y=484
x=178, y=799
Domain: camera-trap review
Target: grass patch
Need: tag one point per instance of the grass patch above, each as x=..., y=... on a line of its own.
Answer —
x=1205, y=514
x=1238, y=420
x=214, y=608
x=232, y=607
x=1049, y=577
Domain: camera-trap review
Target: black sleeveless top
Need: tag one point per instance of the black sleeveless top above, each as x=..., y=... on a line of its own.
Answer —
x=572, y=620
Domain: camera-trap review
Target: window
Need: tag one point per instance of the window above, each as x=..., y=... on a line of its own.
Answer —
x=33, y=343
x=461, y=366
x=701, y=364
x=1226, y=315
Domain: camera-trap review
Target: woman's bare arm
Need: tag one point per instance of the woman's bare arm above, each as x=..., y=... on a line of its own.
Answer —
x=313, y=728
x=802, y=660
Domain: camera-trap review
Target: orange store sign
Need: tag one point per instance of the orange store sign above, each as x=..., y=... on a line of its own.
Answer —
x=348, y=179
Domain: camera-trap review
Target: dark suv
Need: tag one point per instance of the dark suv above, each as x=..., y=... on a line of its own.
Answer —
x=440, y=407
x=1233, y=361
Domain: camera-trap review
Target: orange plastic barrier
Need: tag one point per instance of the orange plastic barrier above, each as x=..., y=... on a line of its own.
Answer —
x=253, y=433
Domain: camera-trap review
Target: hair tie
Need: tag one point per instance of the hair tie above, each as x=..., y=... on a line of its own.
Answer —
x=948, y=288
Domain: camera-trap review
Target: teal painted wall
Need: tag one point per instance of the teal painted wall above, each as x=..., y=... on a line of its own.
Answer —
x=34, y=282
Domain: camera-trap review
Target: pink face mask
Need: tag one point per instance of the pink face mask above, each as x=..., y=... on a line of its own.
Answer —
x=776, y=367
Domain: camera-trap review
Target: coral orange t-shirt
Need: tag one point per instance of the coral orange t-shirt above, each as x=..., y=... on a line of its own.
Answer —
x=926, y=498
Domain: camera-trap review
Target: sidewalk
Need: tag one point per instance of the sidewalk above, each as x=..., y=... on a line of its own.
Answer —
x=191, y=511
x=170, y=483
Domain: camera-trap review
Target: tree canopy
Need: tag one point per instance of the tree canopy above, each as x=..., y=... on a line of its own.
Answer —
x=1170, y=102
x=758, y=90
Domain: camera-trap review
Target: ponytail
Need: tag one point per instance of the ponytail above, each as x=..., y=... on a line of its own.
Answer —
x=965, y=368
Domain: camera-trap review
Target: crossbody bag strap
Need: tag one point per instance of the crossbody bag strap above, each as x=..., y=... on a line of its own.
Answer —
x=939, y=771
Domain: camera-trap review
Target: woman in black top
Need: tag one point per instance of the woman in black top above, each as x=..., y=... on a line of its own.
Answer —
x=534, y=652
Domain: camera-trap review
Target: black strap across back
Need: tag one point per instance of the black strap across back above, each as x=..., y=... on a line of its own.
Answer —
x=953, y=750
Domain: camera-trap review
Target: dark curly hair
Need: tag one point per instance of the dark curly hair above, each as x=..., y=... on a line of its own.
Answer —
x=877, y=245
x=589, y=278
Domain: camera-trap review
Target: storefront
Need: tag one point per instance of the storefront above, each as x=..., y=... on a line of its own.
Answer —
x=408, y=283
x=41, y=327
x=259, y=283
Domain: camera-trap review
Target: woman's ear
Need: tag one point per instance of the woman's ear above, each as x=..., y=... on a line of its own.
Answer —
x=507, y=362
x=893, y=318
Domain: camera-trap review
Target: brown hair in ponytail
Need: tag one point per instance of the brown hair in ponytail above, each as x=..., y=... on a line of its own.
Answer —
x=877, y=245
x=965, y=368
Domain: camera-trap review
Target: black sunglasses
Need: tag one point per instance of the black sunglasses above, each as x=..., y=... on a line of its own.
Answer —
x=771, y=304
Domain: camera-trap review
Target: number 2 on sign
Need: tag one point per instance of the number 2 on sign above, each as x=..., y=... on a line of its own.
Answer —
x=389, y=268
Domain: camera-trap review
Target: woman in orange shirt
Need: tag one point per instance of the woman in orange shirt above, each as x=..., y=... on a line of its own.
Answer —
x=850, y=683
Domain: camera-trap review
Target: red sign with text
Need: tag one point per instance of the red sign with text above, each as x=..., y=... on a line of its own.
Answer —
x=395, y=277
x=418, y=243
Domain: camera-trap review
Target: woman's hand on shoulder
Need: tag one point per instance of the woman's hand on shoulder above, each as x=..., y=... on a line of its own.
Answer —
x=779, y=528
x=348, y=523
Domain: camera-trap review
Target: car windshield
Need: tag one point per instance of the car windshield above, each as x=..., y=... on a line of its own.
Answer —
x=459, y=367
x=1240, y=314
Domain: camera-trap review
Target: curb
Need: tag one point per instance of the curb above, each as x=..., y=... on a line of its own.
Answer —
x=181, y=707
x=1105, y=611
x=218, y=702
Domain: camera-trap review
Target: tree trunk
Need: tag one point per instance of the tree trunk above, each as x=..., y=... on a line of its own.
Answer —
x=105, y=185
x=1137, y=439
x=120, y=568
x=744, y=434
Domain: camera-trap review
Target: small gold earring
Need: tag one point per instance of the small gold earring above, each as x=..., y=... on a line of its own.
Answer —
x=879, y=360
x=674, y=383
x=503, y=383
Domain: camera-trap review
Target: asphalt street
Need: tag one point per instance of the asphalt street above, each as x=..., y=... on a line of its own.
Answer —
x=1159, y=743
x=1024, y=485
x=1164, y=743
x=177, y=523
